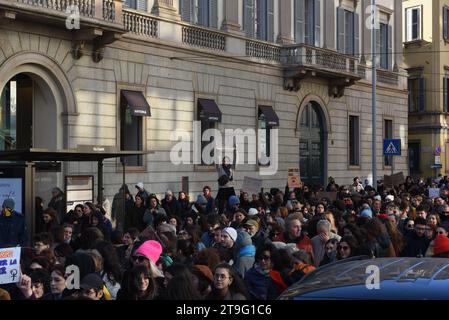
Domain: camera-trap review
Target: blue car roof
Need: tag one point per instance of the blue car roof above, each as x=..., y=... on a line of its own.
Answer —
x=399, y=278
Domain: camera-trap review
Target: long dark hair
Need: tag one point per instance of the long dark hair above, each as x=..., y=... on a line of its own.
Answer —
x=352, y=243
x=181, y=287
x=111, y=263
x=133, y=284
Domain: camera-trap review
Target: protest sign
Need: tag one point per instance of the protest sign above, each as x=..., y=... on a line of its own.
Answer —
x=332, y=196
x=252, y=185
x=293, y=179
x=434, y=193
x=9, y=265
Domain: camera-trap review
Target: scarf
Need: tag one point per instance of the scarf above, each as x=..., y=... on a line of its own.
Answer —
x=227, y=169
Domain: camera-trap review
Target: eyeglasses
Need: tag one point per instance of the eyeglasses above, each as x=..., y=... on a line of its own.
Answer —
x=220, y=276
x=140, y=259
x=344, y=248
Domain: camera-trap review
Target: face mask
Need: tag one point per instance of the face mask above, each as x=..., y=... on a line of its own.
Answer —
x=7, y=212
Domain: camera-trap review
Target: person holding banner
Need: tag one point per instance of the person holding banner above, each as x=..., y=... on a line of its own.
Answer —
x=225, y=185
x=12, y=226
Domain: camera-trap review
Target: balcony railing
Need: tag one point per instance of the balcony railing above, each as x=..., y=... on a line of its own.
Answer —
x=387, y=76
x=140, y=23
x=263, y=50
x=318, y=58
x=200, y=37
x=101, y=10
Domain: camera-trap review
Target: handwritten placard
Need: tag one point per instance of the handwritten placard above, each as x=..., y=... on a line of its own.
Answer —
x=332, y=196
x=434, y=193
x=9, y=265
x=252, y=185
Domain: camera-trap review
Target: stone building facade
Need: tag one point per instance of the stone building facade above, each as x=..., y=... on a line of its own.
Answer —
x=71, y=83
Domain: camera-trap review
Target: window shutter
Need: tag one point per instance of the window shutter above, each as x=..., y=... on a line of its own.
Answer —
x=261, y=19
x=317, y=13
x=270, y=22
x=409, y=22
x=390, y=47
x=422, y=95
x=356, y=35
x=419, y=24
x=142, y=5
x=300, y=7
x=203, y=13
x=248, y=23
x=185, y=9
x=213, y=13
x=341, y=30
x=445, y=21
x=378, y=31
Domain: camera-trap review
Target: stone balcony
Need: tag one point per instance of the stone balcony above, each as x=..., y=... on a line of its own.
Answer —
x=99, y=22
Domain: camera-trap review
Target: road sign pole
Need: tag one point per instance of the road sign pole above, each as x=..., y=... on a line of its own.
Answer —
x=374, y=79
x=392, y=164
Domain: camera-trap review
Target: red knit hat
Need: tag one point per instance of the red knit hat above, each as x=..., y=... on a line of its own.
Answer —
x=441, y=244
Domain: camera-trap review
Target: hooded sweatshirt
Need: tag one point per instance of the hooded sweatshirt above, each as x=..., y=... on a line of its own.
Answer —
x=244, y=253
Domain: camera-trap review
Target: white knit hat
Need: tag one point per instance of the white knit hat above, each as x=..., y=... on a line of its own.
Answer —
x=252, y=212
x=231, y=232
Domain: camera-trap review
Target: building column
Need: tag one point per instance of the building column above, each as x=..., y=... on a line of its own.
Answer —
x=165, y=9
x=329, y=27
x=231, y=17
x=286, y=11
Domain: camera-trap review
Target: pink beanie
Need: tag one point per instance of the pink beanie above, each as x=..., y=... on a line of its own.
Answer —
x=150, y=249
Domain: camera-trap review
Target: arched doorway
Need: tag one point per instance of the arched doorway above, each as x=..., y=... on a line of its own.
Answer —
x=28, y=114
x=312, y=142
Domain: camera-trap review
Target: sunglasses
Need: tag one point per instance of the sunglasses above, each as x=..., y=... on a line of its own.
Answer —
x=139, y=258
x=410, y=226
x=266, y=258
x=344, y=248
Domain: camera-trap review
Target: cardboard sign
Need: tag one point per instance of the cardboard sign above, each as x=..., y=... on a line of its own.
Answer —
x=394, y=180
x=252, y=185
x=332, y=196
x=294, y=179
x=434, y=193
x=9, y=265
x=294, y=182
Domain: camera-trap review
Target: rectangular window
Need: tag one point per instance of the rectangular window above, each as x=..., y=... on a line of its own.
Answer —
x=383, y=45
x=267, y=119
x=416, y=92
x=414, y=150
x=137, y=4
x=308, y=22
x=388, y=134
x=446, y=93
x=200, y=12
x=258, y=19
x=354, y=136
x=209, y=115
x=347, y=31
x=131, y=133
x=446, y=23
x=413, y=18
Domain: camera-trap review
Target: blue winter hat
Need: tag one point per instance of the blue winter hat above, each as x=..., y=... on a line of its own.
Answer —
x=8, y=203
x=233, y=200
x=367, y=212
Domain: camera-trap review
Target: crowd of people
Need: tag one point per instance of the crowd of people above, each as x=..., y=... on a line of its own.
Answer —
x=247, y=247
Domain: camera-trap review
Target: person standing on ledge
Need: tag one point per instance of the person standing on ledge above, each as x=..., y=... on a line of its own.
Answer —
x=225, y=183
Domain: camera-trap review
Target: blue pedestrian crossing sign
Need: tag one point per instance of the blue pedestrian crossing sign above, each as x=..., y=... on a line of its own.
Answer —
x=392, y=147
